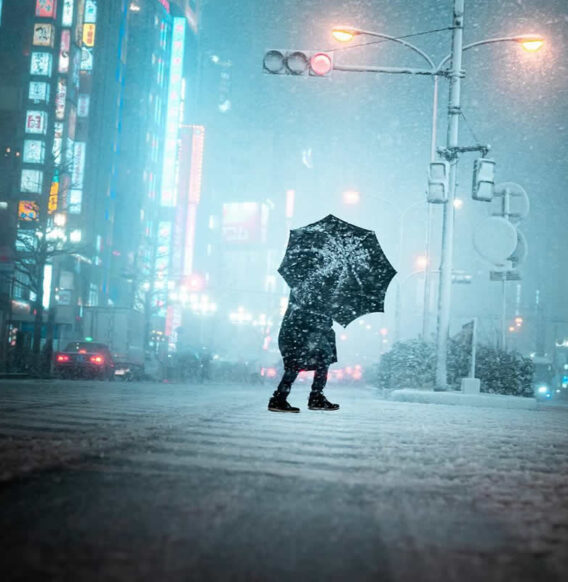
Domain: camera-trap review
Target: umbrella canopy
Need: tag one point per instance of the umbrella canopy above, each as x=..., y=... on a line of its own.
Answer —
x=337, y=268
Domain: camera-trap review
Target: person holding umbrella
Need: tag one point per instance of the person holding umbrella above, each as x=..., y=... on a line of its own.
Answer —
x=336, y=271
x=307, y=342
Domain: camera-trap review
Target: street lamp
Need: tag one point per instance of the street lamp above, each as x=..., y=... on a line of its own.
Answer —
x=451, y=152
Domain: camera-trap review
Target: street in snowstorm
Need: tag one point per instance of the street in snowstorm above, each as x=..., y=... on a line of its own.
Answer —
x=128, y=481
x=283, y=290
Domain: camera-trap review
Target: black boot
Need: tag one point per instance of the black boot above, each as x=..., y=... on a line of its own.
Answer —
x=278, y=403
x=318, y=401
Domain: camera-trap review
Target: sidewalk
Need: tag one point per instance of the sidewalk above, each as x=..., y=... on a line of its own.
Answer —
x=455, y=398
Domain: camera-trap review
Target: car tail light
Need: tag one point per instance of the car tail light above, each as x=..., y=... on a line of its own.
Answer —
x=97, y=359
x=271, y=372
x=62, y=358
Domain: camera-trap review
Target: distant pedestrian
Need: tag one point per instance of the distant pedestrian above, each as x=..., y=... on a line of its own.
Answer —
x=205, y=361
x=306, y=342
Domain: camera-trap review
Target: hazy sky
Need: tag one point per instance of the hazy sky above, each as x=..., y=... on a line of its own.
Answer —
x=372, y=132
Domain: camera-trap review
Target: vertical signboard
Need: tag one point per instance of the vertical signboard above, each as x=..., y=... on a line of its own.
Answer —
x=32, y=181
x=78, y=164
x=40, y=64
x=34, y=151
x=36, y=122
x=60, y=98
x=67, y=15
x=53, y=195
x=89, y=34
x=57, y=141
x=169, y=195
x=43, y=34
x=64, y=51
x=38, y=92
x=90, y=11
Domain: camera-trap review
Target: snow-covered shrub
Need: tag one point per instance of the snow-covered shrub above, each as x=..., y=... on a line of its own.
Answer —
x=409, y=364
x=412, y=364
x=504, y=372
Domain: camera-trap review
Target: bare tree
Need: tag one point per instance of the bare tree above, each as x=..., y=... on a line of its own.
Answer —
x=40, y=240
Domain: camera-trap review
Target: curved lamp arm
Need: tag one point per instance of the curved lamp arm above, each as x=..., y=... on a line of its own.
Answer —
x=357, y=32
x=518, y=38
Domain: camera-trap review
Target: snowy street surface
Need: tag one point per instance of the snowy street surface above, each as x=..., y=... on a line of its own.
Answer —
x=113, y=481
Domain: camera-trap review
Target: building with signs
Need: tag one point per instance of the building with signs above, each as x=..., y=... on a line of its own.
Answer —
x=99, y=101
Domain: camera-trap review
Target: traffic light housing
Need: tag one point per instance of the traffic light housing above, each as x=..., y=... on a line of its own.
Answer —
x=298, y=63
x=483, y=179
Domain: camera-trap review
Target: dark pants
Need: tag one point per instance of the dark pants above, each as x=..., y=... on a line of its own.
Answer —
x=290, y=374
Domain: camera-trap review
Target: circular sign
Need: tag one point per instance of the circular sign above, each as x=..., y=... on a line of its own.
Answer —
x=518, y=200
x=495, y=239
x=520, y=252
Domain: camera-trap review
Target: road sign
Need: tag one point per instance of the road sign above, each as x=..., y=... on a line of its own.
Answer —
x=495, y=239
x=504, y=276
x=513, y=201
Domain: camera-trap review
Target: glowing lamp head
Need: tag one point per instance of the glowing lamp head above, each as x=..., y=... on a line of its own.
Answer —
x=321, y=64
x=343, y=34
x=351, y=197
x=533, y=45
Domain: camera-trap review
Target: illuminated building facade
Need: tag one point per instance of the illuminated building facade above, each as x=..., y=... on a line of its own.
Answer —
x=97, y=143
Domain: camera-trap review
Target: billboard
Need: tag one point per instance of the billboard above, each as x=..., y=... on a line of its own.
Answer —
x=34, y=151
x=75, y=201
x=40, y=64
x=32, y=181
x=83, y=102
x=38, y=92
x=89, y=31
x=46, y=8
x=90, y=11
x=86, y=59
x=36, y=122
x=28, y=210
x=243, y=222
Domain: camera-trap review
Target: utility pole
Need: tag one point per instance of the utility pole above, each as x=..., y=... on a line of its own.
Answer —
x=454, y=110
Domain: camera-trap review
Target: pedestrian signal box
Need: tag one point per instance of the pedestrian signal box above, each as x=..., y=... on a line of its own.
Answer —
x=438, y=182
x=483, y=179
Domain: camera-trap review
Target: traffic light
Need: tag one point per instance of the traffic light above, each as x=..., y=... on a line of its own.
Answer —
x=299, y=63
x=483, y=179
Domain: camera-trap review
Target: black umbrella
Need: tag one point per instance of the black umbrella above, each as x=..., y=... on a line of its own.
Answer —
x=337, y=268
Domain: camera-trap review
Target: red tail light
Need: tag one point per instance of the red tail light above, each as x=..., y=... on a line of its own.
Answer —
x=62, y=358
x=97, y=359
x=271, y=372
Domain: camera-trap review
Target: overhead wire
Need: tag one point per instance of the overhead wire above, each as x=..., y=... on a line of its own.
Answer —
x=393, y=39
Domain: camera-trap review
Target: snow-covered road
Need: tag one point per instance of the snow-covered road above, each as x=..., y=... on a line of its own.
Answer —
x=381, y=489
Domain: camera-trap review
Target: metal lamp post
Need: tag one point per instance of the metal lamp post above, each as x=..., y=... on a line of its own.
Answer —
x=450, y=152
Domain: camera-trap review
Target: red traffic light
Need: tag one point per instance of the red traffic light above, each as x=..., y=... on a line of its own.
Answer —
x=321, y=64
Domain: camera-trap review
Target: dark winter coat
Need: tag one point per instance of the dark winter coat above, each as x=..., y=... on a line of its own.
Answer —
x=306, y=339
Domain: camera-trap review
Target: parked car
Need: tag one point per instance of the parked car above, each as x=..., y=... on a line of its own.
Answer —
x=86, y=360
